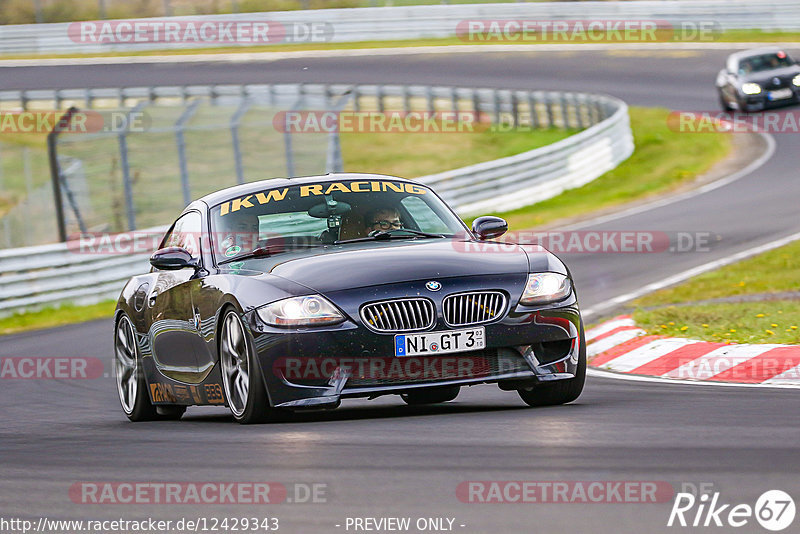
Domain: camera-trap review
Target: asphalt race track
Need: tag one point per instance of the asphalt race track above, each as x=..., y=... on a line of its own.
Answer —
x=383, y=459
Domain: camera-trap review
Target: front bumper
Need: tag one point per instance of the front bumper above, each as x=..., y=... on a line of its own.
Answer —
x=317, y=367
x=762, y=100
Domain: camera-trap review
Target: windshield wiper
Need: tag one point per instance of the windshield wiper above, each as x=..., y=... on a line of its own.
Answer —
x=266, y=251
x=390, y=234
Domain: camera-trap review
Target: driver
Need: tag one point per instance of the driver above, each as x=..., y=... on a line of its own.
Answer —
x=382, y=219
x=239, y=232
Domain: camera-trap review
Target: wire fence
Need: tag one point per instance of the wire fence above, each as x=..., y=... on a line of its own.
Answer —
x=136, y=179
x=149, y=160
x=26, y=199
x=166, y=146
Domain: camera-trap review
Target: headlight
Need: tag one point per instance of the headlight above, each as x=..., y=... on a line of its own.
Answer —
x=796, y=80
x=751, y=88
x=300, y=311
x=543, y=288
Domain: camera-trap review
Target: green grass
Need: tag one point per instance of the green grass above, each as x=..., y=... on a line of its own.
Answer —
x=771, y=272
x=662, y=161
x=739, y=36
x=743, y=322
x=12, y=163
x=733, y=36
x=417, y=154
x=766, y=321
x=50, y=317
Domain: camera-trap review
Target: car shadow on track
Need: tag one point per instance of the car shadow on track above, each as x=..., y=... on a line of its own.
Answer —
x=357, y=413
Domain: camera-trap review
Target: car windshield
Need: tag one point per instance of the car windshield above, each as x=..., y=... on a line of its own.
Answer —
x=325, y=213
x=764, y=62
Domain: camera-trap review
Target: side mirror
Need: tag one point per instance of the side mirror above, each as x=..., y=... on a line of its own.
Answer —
x=172, y=258
x=489, y=227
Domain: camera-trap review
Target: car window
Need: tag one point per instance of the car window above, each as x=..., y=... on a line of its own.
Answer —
x=764, y=62
x=423, y=216
x=315, y=214
x=186, y=233
x=293, y=223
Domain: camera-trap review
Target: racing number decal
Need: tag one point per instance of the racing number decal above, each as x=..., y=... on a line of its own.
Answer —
x=214, y=394
x=162, y=393
x=195, y=395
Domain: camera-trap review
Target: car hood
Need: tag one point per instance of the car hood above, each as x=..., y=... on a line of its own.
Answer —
x=764, y=78
x=375, y=263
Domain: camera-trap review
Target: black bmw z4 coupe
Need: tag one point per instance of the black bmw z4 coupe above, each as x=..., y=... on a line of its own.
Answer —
x=287, y=295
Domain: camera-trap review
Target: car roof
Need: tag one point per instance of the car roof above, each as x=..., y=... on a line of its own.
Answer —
x=756, y=52
x=237, y=191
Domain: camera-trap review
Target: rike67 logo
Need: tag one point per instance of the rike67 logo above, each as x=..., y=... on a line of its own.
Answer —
x=774, y=510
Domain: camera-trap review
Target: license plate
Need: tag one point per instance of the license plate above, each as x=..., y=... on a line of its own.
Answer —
x=780, y=94
x=447, y=342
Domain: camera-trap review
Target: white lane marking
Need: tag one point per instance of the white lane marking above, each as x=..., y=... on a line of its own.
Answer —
x=689, y=273
x=612, y=341
x=680, y=277
x=657, y=379
x=718, y=361
x=788, y=377
x=752, y=166
x=607, y=327
x=356, y=52
x=646, y=354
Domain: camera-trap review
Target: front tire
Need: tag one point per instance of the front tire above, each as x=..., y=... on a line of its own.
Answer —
x=431, y=396
x=742, y=105
x=244, y=388
x=561, y=391
x=131, y=385
x=724, y=104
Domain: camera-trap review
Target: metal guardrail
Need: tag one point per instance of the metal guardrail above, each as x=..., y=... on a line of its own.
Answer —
x=434, y=21
x=524, y=179
x=37, y=276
